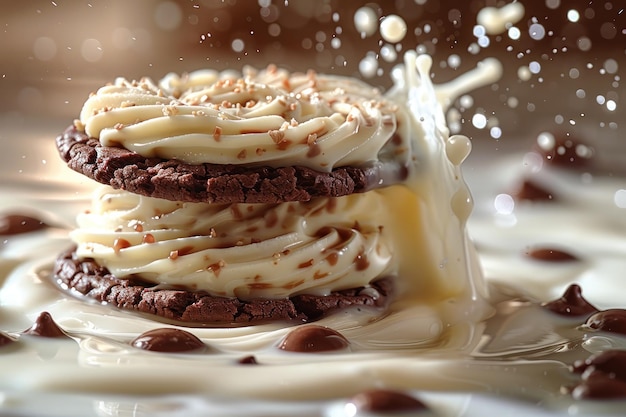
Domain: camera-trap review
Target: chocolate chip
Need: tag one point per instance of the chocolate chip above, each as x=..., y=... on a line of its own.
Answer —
x=612, y=362
x=530, y=191
x=385, y=401
x=603, y=376
x=5, y=339
x=612, y=320
x=15, y=224
x=551, y=255
x=572, y=303
x=248, y=360
x=313, y=338
x=599, y=385
x=168, y=340
x=45, y=326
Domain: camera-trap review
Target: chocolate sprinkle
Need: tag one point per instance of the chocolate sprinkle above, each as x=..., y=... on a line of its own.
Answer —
x=313, y=338
x=168, y=340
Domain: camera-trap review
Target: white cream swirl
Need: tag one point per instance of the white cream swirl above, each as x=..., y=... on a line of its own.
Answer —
x=239, y=250
x=270, y=117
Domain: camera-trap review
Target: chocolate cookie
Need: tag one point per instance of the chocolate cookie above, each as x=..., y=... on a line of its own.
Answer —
x=86, y=277
x=212, y=183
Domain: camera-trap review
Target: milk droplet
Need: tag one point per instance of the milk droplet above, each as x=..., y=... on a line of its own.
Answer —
x=523, y=73
x=537, y=31
x=514, y=33
x=620, y=198
x=479, y=121
x=458, y=147
x=573, y=15
x=504, y=204
x=393, y=28
x=497, y=20
x=365, y=21
x=368, y=65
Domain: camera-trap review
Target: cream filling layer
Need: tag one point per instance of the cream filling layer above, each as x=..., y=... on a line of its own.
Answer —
x=240, y=250
x=270, y=118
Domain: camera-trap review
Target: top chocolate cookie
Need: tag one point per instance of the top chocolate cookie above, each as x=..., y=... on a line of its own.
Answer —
x=267, y=137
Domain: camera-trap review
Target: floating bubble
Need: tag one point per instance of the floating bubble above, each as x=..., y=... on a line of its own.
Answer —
x=584, y=43
x=237, y=45
x=479, y=30
x=611, y=66
x=474, y=48
x=44, y=48
x=537, y=31
x=274, y=30
x=553, y=4
x=495, y=132
x=307, y=43
x=608, y=30
x=611, y=105
x=91, y=50
x=534, y=67
x=167, y=15
x=483, y=41
x=512, y=102
x=122, y=38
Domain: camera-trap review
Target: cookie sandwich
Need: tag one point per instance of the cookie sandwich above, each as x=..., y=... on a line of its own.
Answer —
x=230, y=199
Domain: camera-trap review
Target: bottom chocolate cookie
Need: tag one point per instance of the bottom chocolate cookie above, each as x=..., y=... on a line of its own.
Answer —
x=86, y=277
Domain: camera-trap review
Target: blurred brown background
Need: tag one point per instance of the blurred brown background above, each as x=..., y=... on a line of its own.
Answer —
x=55, y=52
